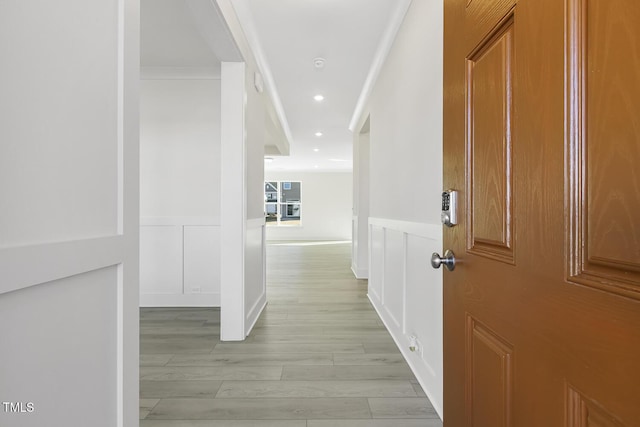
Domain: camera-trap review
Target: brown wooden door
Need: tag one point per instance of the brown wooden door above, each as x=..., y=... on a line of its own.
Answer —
x=542, y=139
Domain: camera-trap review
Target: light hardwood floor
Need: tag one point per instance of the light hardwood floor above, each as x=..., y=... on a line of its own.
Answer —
x=318, y=356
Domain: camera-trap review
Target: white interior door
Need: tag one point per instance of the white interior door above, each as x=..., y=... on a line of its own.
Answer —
x=69, y=212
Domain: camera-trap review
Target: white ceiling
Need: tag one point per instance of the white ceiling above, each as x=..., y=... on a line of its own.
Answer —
x=288, y=35
x=346, y=33
x=183, y=39
x=170, y=38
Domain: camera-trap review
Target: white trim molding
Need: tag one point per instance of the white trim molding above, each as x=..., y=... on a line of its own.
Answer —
x=360, y=273
x=254, y=313
x=182, y=300
x=249, y=45
x=180, y=73
x=379, y=59
x=214, y=29
x=180, y=220
x=63, y=259
x=428, y=231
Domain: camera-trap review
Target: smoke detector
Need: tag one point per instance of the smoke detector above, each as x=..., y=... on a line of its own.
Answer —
x=319, y=62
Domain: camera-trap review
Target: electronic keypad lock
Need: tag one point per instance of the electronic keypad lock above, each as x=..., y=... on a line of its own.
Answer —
x=449, y=215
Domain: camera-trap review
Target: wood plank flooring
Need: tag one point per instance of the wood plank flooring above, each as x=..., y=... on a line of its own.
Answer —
x=318, y=356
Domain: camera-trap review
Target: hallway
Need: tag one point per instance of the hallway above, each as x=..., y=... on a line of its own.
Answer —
x=318, y=356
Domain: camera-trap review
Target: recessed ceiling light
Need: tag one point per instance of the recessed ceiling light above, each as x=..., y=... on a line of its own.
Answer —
x=316, y=166
x=318, y=62
x=316, y=149
x=268, y=159
x=318, y=134
x=318, y=97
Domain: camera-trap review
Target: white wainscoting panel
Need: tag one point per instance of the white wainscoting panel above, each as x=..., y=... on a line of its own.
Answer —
x=376, y=263
x=69, y=172
x=423, y=314
x=407, y=294
x=65, y=344
x=201, y=260
x=254, y=278
x=354, y=246
x=160, y=260
x=393, y=279
x=179, y=262
x=359, y=248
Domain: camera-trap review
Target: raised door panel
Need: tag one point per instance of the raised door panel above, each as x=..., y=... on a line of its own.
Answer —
x=481, y=17
x=489, y=161
x=489, y=377
x=584, y=412
x=604, y=129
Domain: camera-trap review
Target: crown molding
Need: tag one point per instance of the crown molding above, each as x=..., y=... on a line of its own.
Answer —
x=180, y=73
x=213, y=28
x=379, y=60
x=245, y=20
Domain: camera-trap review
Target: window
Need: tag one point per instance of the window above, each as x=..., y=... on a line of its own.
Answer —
x=282, y=203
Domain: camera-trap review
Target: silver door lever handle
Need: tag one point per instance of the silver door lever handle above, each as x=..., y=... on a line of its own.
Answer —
x=449, y=260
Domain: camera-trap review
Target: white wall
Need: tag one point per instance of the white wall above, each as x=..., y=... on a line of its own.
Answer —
x=326, y=206
x=243, y=241
x=180, y=148
x=233, y=213
x=405, y=184
x=69, y=213
x=255, y=291
x=180, y=192
x=361, y=193
x=246, y=120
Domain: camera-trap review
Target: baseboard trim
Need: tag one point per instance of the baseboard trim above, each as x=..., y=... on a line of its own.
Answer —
x=255, y=312
x=407, y=357
x=171, y=300
x=360, y=273
x=152, y=221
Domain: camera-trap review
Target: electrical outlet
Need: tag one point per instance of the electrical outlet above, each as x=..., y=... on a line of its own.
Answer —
x=196, y=290
x=413, y=344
